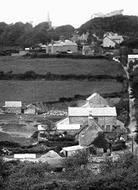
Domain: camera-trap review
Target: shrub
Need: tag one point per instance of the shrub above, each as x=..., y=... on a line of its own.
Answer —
x=76, y=160
x=25, y=175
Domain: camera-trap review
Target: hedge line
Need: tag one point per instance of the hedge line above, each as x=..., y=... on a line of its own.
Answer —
x=31, y=75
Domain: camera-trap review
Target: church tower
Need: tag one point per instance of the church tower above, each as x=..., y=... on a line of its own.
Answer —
x=49, y=22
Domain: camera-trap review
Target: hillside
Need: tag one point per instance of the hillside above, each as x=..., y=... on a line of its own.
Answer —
x=121, y=24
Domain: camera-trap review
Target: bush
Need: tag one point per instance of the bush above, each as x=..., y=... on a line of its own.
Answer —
x=75, y=161
x=26, y=174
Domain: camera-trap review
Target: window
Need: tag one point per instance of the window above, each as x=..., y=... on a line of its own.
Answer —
x=107, y=128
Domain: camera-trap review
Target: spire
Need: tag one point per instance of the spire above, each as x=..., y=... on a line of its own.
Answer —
x=48, y=21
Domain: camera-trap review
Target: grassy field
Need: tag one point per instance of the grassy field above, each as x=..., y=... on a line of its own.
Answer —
x=61, y=66
x=37, y=91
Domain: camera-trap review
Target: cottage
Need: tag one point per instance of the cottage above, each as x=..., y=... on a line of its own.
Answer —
x=111, y=39
x=13, y=107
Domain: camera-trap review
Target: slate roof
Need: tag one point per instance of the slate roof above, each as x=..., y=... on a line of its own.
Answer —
x=104, y=111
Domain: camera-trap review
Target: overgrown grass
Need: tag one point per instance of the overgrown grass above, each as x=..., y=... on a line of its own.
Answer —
x=44, y=91
x=61, y=66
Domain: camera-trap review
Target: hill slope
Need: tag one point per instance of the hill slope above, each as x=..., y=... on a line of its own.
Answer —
x=121, y=24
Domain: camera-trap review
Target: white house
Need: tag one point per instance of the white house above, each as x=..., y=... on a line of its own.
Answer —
x=111, y=39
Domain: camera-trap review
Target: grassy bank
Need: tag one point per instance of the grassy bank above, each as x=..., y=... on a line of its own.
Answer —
x=61, y=66
x=44, y=91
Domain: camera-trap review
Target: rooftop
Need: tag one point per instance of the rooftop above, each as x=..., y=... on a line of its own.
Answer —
x=14, y=104
x=132, y=56
x=68, y=127
x=73, y=148
x=104, y=111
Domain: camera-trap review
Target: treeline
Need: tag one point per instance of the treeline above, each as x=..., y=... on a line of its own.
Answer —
x=66, y=55
x=31, y=75
x=25, y=35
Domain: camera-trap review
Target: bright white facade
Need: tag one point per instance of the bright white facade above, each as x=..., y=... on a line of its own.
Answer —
x=14, y=104
x=71, y=150
x=62, y=46
x=111, y=39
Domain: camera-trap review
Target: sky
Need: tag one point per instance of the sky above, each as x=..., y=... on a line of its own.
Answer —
x=61, y=12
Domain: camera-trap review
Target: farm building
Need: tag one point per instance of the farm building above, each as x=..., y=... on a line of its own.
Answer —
x=13, y=107
x=95, y=113
x=62, y=46
x=105, y=117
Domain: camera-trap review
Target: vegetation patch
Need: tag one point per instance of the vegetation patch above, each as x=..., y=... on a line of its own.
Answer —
x=48, y=91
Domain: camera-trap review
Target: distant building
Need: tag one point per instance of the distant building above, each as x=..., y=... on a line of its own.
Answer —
x=66, y=46
x=49, y=22
x=30, y=109
x=113, y=13
x=87, y=121
x=111, y=40
x=83, y=38
x=105, y=117
x=87, y=50
x=13, y=107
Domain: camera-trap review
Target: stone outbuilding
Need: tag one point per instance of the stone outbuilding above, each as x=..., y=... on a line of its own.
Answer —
x=31, y=109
